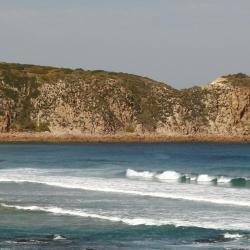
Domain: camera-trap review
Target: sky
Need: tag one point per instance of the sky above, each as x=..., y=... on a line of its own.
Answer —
x=179, y=42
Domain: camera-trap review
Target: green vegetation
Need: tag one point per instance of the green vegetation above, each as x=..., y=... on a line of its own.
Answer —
x=43, y=127
x=19, y=88
x=106, y=97
x=193, y=99
x=130, y=129
x=240, y=80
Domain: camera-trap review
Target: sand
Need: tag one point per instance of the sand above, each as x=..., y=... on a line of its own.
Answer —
x=28, y=137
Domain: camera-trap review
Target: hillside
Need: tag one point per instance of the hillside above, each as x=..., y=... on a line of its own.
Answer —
x=59, y=100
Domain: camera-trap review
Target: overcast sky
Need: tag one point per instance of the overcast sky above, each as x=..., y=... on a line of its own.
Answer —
x=178, y=42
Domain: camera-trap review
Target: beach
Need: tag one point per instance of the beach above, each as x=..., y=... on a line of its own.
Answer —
x=115, y=138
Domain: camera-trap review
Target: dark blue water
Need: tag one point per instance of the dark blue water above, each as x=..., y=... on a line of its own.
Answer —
x=125, y=196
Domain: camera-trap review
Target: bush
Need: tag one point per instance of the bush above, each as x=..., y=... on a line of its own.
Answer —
x=43, y=127
x=130, y=129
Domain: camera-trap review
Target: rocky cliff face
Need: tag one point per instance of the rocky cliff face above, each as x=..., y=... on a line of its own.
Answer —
x=36, y=98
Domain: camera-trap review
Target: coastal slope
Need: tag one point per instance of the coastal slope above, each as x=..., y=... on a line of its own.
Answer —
x=79, y=102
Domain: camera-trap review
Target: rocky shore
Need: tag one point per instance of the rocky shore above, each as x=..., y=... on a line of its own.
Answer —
x=28, y=137
x=82, y=105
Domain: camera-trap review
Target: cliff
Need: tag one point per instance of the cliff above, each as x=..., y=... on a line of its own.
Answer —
x=37, y=98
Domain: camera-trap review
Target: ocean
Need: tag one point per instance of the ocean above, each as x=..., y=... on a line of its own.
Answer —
x=125, y=196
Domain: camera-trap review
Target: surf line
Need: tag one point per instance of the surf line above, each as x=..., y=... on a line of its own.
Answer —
x=138, y=193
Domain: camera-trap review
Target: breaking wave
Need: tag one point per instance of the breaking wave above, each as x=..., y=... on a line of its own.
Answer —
x=126, y=186
x=171, y=175
x=232, y=236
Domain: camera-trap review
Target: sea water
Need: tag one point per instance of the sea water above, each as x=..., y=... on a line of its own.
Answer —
x=125, y=196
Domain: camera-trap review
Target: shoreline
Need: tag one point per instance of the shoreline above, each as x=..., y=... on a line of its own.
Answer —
x=39, y=137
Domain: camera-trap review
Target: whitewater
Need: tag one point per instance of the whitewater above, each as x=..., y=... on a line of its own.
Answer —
x=168, y=190
x=105, y=196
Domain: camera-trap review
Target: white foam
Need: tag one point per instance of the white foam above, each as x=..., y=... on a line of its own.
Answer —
x=223, y=179
x=191, y=192
x=82, y=213
x=191, y=177
x=58, y=237
x=232, y=236
x=141, y=174
x=175, y=176
x=205, y=178
x=168, y=175
x=129, y=221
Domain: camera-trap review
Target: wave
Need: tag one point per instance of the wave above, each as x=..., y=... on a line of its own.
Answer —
x=219, y=238
x=232, y=236
x=165, y=190
x=129, y=221
x=58, y=237
x=36, y=240
x=142, y=174
x=81, y=213
x=99, y=188
x=171, y=175
x=168, y=175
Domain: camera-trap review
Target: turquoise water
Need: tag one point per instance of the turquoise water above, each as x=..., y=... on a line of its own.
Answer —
x=124, y=196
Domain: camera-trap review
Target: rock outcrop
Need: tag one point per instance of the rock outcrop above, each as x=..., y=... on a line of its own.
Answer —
x=36, y=98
